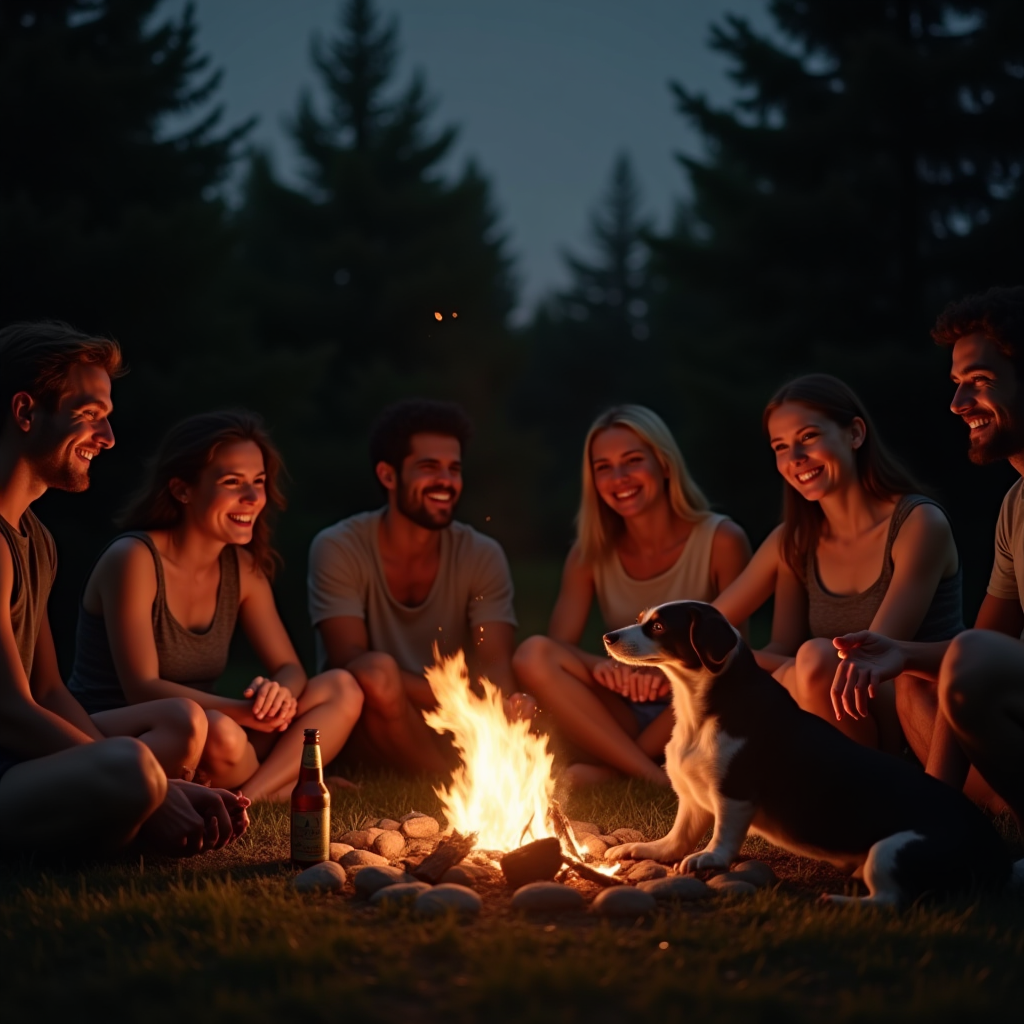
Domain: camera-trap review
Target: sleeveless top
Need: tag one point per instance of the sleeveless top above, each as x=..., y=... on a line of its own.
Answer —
x=622, y=598
x=832, y=615
x=35, y=566
x=185, y=656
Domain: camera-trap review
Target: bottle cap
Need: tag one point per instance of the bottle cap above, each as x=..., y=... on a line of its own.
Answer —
x=311, y=735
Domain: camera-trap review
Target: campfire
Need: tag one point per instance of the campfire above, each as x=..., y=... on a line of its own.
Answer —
x=503, y=792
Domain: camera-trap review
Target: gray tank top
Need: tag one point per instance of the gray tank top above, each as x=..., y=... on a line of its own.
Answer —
x=35, y=565
x=185, y=656
x=832, y=615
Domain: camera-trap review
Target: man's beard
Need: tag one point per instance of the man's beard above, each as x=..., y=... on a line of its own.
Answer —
x=60, y=473
x=1006, y=441
x=419, y=514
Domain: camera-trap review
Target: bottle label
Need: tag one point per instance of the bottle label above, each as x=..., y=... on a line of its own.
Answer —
x=311, y=835
x=311, y=756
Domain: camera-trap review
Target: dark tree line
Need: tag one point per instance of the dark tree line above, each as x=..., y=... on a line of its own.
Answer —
x=869, y=172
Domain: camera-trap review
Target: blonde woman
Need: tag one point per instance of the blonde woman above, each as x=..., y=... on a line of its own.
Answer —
x=645, y=535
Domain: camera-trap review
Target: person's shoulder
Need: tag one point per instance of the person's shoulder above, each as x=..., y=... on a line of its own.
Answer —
x=467, y=540
x=1014, y=497
x=927, y=514
x=353, y=532
x=126, y=554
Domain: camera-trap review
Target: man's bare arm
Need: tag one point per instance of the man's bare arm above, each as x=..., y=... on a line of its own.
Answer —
x=347, y=645
x=49, y=689
x=1000, y=616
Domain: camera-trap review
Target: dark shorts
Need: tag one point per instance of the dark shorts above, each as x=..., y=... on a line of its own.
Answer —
x=647, y=711
x=7, y=762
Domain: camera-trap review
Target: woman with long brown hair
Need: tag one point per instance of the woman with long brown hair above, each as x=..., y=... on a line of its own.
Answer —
x=161, y=604
x=645, y=535
x=858, y=548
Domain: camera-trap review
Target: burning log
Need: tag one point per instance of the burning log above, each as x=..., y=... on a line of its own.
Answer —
x=538, y=861
x=449, y=852
x=563, y=829
x=590, y=875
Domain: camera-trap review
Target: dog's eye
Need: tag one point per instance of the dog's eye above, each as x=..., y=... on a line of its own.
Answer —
x=657, y=627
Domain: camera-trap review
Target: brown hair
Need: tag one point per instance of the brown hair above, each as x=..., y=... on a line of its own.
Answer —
x=185, y=451
x=998, y=314
x=35, y=357
x=879, y=472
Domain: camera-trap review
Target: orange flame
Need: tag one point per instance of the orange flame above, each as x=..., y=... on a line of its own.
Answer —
x=503, y=788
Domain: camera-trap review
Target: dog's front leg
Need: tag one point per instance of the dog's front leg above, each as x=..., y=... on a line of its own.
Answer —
x=732, y=822
x=690, y=824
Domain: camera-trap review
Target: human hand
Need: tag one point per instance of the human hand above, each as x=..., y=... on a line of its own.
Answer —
x=273, y=705
x=193, y=818
x=866, y=659
x=630, y=681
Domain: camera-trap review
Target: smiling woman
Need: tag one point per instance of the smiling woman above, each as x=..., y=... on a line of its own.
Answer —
x=162, y=602
x=857, y=549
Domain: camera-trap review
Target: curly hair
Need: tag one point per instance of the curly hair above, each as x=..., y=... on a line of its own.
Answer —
x=998, y=314
x=185, y=451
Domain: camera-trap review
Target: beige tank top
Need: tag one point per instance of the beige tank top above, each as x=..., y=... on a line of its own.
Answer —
x=622, y=598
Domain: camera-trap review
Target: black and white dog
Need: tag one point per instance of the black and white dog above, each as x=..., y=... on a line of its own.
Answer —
x=743, y=755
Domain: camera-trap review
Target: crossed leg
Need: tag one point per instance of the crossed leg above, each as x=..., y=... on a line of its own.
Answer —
x=173, y=728
x=331, y=702
x=96, y=795
x=589, y=716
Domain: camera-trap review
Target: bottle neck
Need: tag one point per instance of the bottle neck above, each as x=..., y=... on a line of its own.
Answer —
x=311, y=769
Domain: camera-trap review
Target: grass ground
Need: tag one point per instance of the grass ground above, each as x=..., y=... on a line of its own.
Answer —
x=222, y=937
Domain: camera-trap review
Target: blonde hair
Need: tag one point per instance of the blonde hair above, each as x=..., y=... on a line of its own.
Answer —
x=597, y=526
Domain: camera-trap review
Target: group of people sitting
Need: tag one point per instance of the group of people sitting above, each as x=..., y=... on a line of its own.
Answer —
x=139, y=748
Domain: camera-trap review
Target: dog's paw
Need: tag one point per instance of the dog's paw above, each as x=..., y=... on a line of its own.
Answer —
x=706, y=860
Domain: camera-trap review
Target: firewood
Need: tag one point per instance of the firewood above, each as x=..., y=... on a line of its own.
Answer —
x=590, y=875
x=449, y=852
x=535, y=862
x=563, y=829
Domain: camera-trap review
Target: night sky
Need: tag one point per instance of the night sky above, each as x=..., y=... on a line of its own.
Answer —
x=545, y=92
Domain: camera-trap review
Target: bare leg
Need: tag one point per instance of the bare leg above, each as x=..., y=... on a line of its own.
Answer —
x=392, y=726
x=810, y=684
x=557, y=677
x=934, y=742
x=229, y=759
x=96, y=795
x=173, y=728
x=331, y=702
x=981, y=695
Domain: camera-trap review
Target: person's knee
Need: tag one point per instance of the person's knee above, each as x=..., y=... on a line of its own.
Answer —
x=188, y=721
x=816, y=663
x=340, y=688
x=381, y=681
x=226, y=740
x=532, y=659
x=129, y=776
x=963, y=682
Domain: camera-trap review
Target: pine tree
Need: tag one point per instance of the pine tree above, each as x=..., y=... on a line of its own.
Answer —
x=870, y=172
x=107, y=219
x=582, y=339
x=380, y=239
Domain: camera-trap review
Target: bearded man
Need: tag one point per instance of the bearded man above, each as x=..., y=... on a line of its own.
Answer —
x=386, y=585
x=976, y=679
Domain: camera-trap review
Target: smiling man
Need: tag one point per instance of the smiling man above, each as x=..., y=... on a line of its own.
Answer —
x=99, y=781
x=980, y=673
x=385, y=586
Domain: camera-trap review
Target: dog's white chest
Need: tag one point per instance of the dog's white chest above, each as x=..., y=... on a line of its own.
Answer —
x=697, y=760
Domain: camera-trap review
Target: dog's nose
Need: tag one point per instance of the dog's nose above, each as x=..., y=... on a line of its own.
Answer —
x=611, y=639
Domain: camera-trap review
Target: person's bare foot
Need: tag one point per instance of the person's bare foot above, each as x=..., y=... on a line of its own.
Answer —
x=340, y=782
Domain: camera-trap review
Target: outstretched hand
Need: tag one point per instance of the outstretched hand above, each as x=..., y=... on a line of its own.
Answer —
x=866, y=659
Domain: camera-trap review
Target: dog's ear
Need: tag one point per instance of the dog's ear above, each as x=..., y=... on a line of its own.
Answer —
x=712, y=637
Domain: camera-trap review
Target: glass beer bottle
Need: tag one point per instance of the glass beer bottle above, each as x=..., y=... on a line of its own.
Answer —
x=311, y=807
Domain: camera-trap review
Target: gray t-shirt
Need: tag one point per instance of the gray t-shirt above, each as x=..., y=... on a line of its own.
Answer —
x=1007, y=580
x=346, y=577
